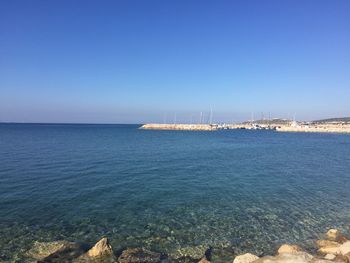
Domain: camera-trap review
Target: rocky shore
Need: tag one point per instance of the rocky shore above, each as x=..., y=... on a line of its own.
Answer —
x=335, y=247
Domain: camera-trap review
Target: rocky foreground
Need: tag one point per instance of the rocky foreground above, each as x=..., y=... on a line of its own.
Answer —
x=334, y=248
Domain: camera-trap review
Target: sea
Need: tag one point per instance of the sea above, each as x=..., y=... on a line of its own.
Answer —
x=233, y=191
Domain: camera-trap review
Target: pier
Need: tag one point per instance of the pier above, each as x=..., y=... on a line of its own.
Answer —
x=180, y=127
x=280, y=127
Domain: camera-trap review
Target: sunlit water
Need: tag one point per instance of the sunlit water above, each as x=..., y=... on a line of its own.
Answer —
x=235, y=191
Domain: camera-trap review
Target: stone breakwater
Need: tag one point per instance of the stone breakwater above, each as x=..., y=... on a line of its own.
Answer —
x=181, y=127
x=316, y=128
x=333, y=248
x=319, y=128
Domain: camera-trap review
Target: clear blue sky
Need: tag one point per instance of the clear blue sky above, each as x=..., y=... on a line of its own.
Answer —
x=135, y=61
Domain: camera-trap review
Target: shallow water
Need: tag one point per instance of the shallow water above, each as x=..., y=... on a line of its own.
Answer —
x=235, y=191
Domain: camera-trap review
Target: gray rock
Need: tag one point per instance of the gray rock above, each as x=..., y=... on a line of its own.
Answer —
x=56, y=251
x=100, y=259
x=195, y=253
x=297, y=257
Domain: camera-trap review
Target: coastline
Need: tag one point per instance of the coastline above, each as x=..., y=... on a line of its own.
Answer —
x=333, y=247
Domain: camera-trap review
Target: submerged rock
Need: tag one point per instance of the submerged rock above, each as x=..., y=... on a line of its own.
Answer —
x=286, y=248
x=56, y=251
x=245, y=258
x=139, y=255
x=297, y=257
x=195, y=253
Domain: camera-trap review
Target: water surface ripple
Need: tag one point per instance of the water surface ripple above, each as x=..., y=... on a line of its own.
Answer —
x=236, y=191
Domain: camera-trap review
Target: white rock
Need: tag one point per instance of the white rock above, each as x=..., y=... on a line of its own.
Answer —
x=286, y=248
x=204, y=260
x=245, y=258
x=345, y=248
x=297, y=257
x=330, y=256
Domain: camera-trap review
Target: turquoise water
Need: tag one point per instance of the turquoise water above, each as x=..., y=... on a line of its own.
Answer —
x=234, y=191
